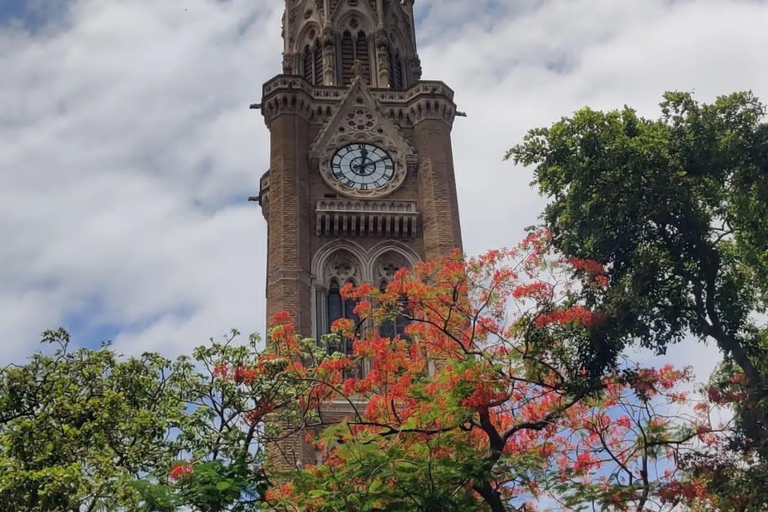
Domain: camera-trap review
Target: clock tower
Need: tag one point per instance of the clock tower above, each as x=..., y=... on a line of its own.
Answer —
x=361, y=179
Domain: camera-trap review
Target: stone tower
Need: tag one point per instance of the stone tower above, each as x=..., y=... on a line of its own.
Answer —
x=361, y=179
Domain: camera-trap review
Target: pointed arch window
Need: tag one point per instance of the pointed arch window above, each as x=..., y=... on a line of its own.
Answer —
x=355, y=48
x=396, y=71
x=338, y=307
x=313, y=64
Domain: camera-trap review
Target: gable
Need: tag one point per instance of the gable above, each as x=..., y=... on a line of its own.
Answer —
x=359, y=118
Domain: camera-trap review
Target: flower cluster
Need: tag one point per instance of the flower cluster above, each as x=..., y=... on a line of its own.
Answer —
x=180, y=470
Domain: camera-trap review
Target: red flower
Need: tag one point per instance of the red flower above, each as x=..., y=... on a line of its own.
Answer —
x=180, y=470
x=221, y=371
x=589, y=266
x=244, y=375
x=282, y=318
x=537, y=291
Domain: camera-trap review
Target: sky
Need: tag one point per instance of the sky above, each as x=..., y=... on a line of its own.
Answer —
x=128, y=152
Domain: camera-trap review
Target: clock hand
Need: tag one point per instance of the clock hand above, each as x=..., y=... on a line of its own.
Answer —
x=360, y=167
x=372, y=163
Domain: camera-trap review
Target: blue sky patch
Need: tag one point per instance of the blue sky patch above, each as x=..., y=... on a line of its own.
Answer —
x=33, y=15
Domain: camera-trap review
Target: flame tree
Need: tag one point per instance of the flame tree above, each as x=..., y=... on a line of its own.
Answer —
x=484, y=403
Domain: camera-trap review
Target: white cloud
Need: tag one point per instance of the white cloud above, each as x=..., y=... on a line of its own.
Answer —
x=127, y=155
x=127, y=149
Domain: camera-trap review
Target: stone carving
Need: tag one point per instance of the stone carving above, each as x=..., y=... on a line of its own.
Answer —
x=343, y=267
x=382, y=55
x=352, y=218
x=329, y=57
x=362, y=119
x=388, y=265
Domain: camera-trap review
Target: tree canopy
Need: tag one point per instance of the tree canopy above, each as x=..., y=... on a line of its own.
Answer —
x=483, y=407
x=89, y=430
x=676, y=209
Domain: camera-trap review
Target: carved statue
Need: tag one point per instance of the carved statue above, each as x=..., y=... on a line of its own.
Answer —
x=358, y=69
x=383, y=62
x=329, y=57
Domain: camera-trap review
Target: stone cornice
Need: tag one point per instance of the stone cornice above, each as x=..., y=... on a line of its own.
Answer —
x=425, y=100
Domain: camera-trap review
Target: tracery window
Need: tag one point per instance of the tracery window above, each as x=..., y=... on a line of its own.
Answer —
x=344, y=265
x=313, y=63
x=396, y=70
x=341, y=268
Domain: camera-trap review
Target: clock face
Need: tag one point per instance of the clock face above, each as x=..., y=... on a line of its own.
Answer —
x=363, y=167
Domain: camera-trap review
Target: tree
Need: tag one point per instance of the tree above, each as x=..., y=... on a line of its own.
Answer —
x=483, y=406
x=676, y=209
x=76, y=427
x=88, y=430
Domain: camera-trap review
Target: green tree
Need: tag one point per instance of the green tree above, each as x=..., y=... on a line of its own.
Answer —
x=78, y=426
x=89, y=430
x=676, y=208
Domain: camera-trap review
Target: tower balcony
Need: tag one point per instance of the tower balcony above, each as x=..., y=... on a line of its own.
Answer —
x=349, y=217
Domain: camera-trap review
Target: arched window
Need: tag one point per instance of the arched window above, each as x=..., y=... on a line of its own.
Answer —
x=363, y=54
x=338, y=307
x=355, y=48
x=340, y=268
x=347, y=57
x=313, y=63
x=396, y=72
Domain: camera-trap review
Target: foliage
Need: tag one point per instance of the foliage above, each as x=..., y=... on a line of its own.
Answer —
x=77, y=426
x=676, y=208
x=89, y=430
x=484, y=406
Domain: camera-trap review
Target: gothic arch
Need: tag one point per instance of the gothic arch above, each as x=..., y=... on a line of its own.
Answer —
x=309, y=33
x=335, y=265
x=326, y=252
x=343, y=261
x=355, y=28
x=354, y=19
x=385, y=249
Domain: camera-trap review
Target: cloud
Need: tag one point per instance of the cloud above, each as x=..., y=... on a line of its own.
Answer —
x=127, y=149
x=128, y=152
